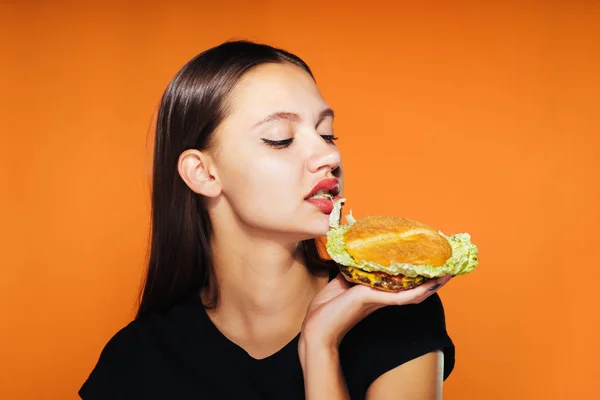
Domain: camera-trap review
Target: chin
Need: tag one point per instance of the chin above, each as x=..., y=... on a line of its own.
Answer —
x=317, y=227
x=306, y=225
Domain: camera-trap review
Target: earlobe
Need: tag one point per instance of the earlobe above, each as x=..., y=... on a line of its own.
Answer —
x=194, y=168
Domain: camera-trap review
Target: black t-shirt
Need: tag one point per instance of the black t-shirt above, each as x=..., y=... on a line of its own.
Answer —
x=180, y=354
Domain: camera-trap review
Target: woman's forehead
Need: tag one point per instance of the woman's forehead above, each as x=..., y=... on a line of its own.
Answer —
x=272, y=87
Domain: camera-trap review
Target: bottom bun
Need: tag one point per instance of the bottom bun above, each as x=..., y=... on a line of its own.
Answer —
x=381, y=280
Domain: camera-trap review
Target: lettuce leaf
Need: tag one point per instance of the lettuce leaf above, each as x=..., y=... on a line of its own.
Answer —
x=462, y=261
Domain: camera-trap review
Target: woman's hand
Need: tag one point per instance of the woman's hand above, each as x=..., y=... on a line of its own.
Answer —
x=341, y=305
x=330, y=315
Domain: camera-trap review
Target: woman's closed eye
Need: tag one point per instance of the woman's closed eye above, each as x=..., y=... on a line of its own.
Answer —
x=329, y=138
x=280, y=144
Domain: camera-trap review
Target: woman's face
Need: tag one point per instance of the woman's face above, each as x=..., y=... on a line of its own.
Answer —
x=273, y=148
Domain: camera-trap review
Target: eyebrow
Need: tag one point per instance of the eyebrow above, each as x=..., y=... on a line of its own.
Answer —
x=293, y=117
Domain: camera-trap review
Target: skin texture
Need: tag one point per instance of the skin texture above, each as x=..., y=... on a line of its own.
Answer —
x=255, y=197
x=429, y=368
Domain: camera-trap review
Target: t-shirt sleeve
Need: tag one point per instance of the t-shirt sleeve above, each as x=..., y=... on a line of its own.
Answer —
x=118, y=362
x=392, y=336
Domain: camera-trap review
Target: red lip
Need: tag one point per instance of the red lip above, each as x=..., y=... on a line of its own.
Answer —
x=332, y=185
x=324, y=205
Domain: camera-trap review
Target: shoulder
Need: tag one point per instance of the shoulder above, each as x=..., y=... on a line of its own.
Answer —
x=393, y=336
x=119, y=360
x=138, y=353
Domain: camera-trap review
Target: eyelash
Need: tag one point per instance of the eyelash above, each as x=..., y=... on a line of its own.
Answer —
x=280, y=144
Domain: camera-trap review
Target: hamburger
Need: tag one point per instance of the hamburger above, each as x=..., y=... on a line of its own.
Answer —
x=395, y=254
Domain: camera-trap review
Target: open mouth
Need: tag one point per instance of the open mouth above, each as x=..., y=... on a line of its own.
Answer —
x=324, y=194
x=327, y=189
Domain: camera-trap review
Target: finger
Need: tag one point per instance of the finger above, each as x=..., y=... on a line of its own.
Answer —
x=445, y=279
x=333, y=289
x=440, y=282
x=416, y=295
x=339, y=282
x=369, y=295
x=436, y=284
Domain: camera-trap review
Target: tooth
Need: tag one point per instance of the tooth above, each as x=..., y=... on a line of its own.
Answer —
x=321, y=194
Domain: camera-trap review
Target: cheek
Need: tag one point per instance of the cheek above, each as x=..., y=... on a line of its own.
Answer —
x=264, y=181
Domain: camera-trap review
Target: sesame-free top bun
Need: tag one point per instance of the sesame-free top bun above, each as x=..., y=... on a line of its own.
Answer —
x=384, y=240
x=394, y=254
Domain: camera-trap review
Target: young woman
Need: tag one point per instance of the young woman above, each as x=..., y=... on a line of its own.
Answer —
x=237, y=303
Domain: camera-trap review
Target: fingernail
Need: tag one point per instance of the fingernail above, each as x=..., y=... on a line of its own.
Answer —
x=434, y=287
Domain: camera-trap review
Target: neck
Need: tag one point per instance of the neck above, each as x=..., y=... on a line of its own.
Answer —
x=258, y=272
x=263, y=283
x=264, y=291
x=257, y=276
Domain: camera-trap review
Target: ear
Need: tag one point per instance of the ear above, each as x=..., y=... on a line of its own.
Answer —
x=197, y=171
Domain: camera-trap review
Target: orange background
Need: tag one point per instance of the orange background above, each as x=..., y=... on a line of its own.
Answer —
x=478, y=118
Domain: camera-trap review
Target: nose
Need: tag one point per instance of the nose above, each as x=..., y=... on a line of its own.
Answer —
x=324, y=156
